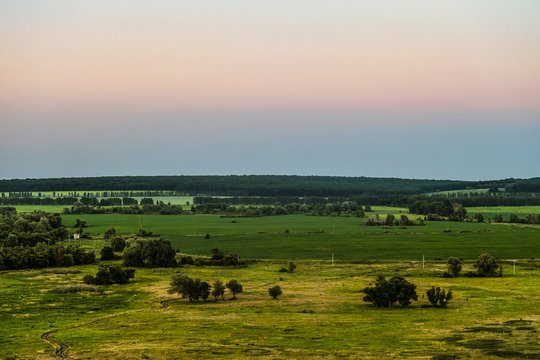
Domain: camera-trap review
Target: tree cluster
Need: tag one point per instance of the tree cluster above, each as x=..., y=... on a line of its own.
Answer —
x=195, y=289
x=42, y=255
x=386, y=292
x=108, y=275
x=150, y=253
x=29, y=229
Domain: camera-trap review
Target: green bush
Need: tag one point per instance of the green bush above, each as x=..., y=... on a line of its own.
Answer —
x=387, y=292
x=454, y=266
x=275, y=291
x=488, y=266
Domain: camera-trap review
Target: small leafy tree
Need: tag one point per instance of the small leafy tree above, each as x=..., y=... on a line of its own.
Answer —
x=387, y=292
x=275, y=291
x=235, y=287
x=488, y=266
x=436, y=295
x=454, y=266
x=218, y=290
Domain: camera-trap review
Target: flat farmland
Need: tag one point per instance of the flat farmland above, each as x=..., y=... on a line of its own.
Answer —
x=316, y=237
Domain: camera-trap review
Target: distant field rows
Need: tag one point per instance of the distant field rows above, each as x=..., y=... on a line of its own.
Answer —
x=315, y=237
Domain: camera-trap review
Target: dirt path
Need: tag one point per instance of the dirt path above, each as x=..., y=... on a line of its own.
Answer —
x=60, y=348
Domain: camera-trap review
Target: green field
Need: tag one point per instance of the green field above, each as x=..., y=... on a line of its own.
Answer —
x=505, y=211
x=316, y=237
x=320, y=315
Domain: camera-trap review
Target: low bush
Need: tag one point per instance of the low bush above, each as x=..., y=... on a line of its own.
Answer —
x=69, y=289
x=107, y=275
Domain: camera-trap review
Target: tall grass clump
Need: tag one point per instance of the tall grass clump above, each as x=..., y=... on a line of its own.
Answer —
x=70, y=289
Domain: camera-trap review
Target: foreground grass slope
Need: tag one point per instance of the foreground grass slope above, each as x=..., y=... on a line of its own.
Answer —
x=319, y=315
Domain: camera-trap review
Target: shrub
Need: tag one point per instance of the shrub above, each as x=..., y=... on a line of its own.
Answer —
x=283, y=270
x=454, y=266
x=67, y=289
x=275, y=291
x=436, y=295
x=488, y=266
x=387, y=292
x=118, y=243
x=235, y=287
x=107, y=253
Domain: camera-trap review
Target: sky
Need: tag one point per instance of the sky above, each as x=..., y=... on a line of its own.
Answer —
x=413, y=89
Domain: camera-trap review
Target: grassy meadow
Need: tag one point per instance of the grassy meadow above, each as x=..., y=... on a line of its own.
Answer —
x=317, y=237
x=320, y=315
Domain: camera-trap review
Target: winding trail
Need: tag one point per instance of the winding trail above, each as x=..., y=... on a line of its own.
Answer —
x=60, y=348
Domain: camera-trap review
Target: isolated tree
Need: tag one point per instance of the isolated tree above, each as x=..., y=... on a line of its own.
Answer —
x=275, y=291
x=488, y=266
x=235, y=287
x=454, y=266
x=218, y=290
x=436, y=295
x=498, y=218
x=387, y=292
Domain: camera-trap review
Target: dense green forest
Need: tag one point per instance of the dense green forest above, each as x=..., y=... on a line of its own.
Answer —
x=264, y=185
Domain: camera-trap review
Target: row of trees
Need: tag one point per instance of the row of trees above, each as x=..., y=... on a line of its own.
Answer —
x=195, y=289
x=42, y=255
x=387, y=292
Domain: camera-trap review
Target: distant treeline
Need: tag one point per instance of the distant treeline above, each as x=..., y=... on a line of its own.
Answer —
x=90, y=194
x=263, y=185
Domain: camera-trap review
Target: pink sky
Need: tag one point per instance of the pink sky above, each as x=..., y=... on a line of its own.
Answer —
x=422, y=56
